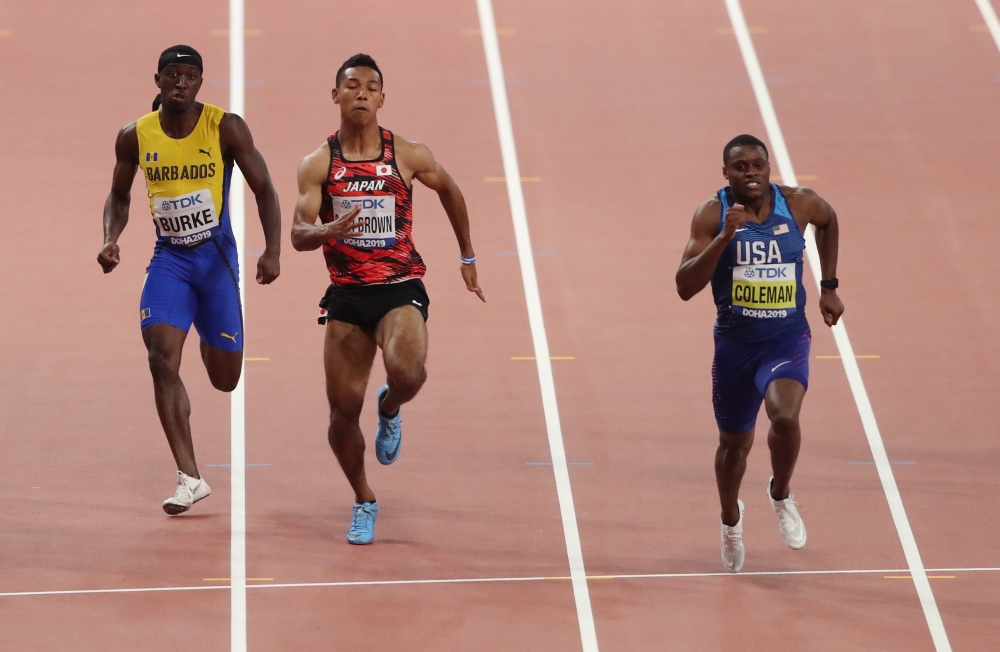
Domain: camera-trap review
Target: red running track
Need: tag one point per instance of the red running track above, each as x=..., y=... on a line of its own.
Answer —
x=619, y=113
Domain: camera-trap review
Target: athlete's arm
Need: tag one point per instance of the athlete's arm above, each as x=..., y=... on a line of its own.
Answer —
x=821, y=215
x=117, y=204
x=237, y=142
x=306, y=234
x=416, y=158
x=705, y=248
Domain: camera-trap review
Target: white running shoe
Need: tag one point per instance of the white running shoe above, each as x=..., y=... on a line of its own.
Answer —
x=189, y=491
x=733, y=552
x=793, y=530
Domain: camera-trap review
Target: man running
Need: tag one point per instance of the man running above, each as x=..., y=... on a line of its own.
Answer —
x=186, y=150
x=748, y=242
x=359, y=183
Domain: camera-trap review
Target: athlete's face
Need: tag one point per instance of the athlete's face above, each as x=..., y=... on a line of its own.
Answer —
x=359, y=94
x=179, y=85
x=748, y=171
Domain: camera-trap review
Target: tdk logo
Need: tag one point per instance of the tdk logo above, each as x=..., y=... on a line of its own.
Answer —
x=766, y=272
x=367, y=203
x=181, y=203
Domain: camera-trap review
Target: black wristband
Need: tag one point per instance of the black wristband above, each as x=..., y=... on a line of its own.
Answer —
x=830, y=283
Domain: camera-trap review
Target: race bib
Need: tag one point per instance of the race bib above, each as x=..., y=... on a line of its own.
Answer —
x=185, y=220
x=764, y=291
x=377, y=217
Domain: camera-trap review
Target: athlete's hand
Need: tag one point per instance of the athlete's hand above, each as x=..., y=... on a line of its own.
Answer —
x=346, y=226
x=471, y=282
x=736, y=217
x=831, y=306
x=268, y=267
x=108, y=257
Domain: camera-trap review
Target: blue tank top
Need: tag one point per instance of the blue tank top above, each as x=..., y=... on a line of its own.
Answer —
x=758, y=282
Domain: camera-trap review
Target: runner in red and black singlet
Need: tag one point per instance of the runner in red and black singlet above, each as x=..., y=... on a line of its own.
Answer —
x=385, y=252
x=359, y=184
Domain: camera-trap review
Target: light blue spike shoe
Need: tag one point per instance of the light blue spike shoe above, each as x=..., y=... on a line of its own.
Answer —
x=390, y=432
x=362, y=530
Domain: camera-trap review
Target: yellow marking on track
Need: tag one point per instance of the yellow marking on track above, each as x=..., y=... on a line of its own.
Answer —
x=504, y=179
x=554, y=357
x=978, y=28
x=729, y=30
x=256, y=359
x=246, y=32
x=798, y=177
x=910, y=577
x=227, y=579
x=837, y=357
x=4, y=32
x=475, y=31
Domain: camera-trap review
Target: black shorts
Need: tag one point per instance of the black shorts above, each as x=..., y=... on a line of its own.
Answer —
x=366, y=305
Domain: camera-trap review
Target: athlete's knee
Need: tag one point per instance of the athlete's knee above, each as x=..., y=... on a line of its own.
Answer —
x=225, y=382
x=406, y=378
x=785, y=421
x=345, y=412
x=163, y=363
x=734, y=450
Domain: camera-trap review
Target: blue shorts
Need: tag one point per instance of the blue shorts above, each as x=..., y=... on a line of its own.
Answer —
x=742, y=371
x=198, y=285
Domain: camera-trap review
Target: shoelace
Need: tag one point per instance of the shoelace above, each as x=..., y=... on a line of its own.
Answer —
x=363, y=516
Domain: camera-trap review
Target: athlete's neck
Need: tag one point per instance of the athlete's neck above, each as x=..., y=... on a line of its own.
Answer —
x=178, y=123
x=759, y=207
x=360, y=142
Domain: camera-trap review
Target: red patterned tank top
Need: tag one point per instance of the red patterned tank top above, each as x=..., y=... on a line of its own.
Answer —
x=384, y=253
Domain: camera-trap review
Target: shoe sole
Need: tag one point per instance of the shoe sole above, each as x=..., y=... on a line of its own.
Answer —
x=173, y=509
x=361, y=543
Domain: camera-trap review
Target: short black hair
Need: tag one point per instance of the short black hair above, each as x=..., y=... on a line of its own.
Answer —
x=359, y=59
x=741, y=141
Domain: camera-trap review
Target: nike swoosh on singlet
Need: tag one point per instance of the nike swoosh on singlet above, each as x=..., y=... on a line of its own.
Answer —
x=780, y=364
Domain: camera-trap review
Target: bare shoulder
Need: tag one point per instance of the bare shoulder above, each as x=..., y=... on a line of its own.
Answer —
x=709, y=211
x=803, y=200
x=233, y=125
x=127, y=143
x=315, y=166
x=413, y=154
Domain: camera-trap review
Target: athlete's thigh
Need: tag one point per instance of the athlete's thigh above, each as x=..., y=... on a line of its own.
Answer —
x=167, y=294
x=787, y=357
x=219, y=319
x=735, y=396
x=348, y=353
x=402, y=335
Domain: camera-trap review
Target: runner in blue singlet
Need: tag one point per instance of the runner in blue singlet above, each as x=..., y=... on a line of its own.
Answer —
x=748, y=242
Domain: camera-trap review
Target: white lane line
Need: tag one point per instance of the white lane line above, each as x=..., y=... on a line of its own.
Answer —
x=237, y=216
x=780, y=153
x=990, y=16
x=493, y=580
x=512, y=172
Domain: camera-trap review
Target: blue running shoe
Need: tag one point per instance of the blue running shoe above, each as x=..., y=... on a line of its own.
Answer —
x=390, y=432
x=362, y=528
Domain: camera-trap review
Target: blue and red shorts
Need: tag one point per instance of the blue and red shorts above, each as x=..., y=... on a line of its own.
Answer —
x=742, y=371
x=200, y=286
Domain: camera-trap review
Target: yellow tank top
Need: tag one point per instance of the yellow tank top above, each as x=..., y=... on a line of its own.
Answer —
x=187, y=181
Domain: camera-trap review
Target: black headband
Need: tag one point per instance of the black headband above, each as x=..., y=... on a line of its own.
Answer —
x=180, y=54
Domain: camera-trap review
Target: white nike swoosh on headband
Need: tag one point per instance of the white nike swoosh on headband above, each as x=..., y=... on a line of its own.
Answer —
x=183, y=55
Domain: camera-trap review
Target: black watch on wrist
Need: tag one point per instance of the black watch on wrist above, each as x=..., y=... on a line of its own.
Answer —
x=829, y=283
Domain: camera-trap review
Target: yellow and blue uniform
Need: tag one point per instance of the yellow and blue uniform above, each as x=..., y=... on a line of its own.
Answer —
x=194, y=274
x=761, y=333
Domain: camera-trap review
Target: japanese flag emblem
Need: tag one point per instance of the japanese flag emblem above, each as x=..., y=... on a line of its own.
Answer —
x=383, y=170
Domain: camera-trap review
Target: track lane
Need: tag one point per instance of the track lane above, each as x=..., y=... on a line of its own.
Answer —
x=78, y=420
x=462, y=501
